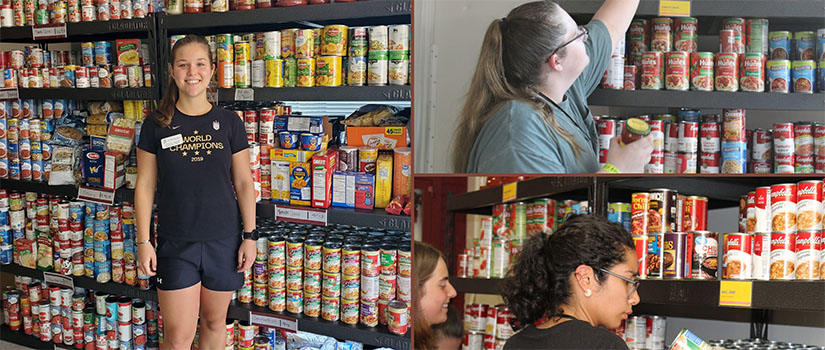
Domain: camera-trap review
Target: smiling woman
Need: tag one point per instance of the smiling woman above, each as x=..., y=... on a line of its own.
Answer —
x=432, y=293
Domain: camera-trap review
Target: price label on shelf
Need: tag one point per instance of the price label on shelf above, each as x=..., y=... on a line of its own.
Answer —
x=9, y=94
x=508, y=192
x=96, y=195
x=270, y=320
x=242, y=94
x=49, y=31
x=674, y=8
x=301, y=215
x=736, y=293
x=58, y=280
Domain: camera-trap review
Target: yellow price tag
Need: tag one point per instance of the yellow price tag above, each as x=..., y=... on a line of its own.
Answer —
x=508, y=192
x=393, y=130
x=735, y=293
x=674, y=8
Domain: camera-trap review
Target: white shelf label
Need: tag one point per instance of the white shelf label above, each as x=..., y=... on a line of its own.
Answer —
x=49, y=31
x=301, y=215
x=269, y=320
x=320, y=217
x=58, y=279
x=242, y=94
x=9, y=94
x=96, y=195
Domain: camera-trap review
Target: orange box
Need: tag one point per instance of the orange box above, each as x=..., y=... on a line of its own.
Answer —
x=380, y=137
x=324, y=163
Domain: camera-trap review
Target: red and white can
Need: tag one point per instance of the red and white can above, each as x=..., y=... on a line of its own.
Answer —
x=652, y=70
x=783, y=207
x=727, y=72
x=686, y=163
x=737, y=261
x=783, y=140
x=607, y=130
x=783, y=255
x=709, y=162
x=463, y=264
x=671, y=161
x=809, y=205
x=631, y=77
x=473, y=340
x=709, y=134
x=727, y=41
x=761, y=256
x=688, y=137
x=819, y=139
x=803, y=138
x=762, y=210
x=656, y=164
x=694, y=214
x=503, y=317
x=762, y=146
x=752, y=72
x=657, y=128
x=677, y=71
x=476, y=317
x=808, y=251
x=784, y=163
x=672, y=137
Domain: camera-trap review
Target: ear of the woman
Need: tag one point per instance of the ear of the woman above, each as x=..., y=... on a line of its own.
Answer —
x=584, y=277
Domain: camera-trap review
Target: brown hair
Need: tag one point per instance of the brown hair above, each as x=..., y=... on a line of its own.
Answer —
x=425, y=259
x=166, y=106
x=510, y=68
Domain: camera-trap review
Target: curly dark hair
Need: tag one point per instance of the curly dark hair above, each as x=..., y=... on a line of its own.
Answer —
x=539, y=281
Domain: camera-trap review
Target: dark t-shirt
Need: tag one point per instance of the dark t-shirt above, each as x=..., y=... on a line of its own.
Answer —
x=573, y=334
x=196, y=197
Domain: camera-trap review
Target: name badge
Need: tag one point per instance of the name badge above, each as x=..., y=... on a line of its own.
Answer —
x=171, y=141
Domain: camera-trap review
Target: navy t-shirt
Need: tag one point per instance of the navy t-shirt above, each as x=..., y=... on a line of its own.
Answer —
x=196, y=197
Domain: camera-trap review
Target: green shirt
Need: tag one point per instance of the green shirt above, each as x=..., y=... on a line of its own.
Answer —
x=517, y=140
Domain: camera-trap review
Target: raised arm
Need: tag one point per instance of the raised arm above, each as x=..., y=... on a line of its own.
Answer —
x=616, y=15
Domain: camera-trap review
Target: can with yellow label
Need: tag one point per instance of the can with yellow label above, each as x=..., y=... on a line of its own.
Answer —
x=304, y=43
x=334, y=40
x=306, y=72
x=275, y=73
x=328, y=71
x=288, y=43
x=225, y=47
x=242, y=52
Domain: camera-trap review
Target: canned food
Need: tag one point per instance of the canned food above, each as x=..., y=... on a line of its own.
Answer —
x=726, y=76
x=701, y=71
x=779, y=75
x=808, y=248
x=334, y=40
x=677, y=72
x=652, y=70
x=694, y=214
x=662, y=212
x=757, y=36
x=805, y=45
x=684, y=34
x=737, y=259
x=783, y=256
x=803, y=76
x=779, y=45
x=675, y=255
x=306, y=72
x=737, y=25
x=783, y=207
x=752, y=72
x=640, y=213
x=661, y=35
x=704, y=262
x=809, y=205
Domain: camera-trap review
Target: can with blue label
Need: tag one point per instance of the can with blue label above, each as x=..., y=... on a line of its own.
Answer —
x=68, y=80
x=619, y=212
x=734, y=157
x=102, y=251
x=804, y=46
x=5, y=109
x=4, y=223
x=103, y=53
x=779, y=75
x=820, y=77
x=803, y=76
x=6, y=254
x=779, y=45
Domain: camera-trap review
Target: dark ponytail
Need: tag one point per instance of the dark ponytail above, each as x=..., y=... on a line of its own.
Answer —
x=166, y=106
x=539, y=281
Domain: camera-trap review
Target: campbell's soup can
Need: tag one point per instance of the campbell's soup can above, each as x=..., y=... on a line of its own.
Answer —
x=762, y=146
x=709, y=136
x=779, y=75
x=804, y=147
x=752, y=72
x=727, y=76
x=652, y=70
x=809, y=205
x=761, y=256
x=607, y=130
x=783, y=141
x=709, y=162
x=473, y=340
x=737, y=261
x=677, y=70
x=783, y=256
x=704, y=258
x=783, y=207
x=686, y=163
x=661, y=39
x=757, y=36
x=688, y=137
x=701, y=71
x=737, y=25
x=808, y=248
x=657, y=130
x=639, y=36
x=658, y=162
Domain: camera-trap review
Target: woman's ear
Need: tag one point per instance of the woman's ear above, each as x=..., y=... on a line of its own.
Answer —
x=584, y=277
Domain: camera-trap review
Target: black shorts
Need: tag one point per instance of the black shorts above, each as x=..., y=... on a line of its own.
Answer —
x=183, y=264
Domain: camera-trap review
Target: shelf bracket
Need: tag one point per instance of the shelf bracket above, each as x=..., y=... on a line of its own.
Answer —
x=759, y=323
x=309, y=24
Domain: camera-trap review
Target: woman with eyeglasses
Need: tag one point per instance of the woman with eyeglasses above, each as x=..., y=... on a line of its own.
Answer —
x=526, y=111
x=569, y=287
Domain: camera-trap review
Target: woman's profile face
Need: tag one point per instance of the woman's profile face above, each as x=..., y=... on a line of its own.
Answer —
x=192, y=69
x=436, y=294
x=575, y=58
x=612, y=305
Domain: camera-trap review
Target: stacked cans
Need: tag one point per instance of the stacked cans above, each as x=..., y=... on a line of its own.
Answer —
x=614, y=76
x=793, y=58
x=25, y=150
x=28, y=13
x=487, y=327
x=12, y=225
x=734, y=142
x=643, y=332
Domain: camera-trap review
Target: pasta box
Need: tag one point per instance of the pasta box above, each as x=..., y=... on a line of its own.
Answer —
x=324, y=163
x=364, y=191
x=379, y=137
x=103, y=170
x=300, y=182
x=290, y=155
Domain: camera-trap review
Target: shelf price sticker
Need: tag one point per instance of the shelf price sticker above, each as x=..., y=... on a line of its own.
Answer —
x=58, y=280
x=96, y=195
x=736, y=293
x=9, y=94
x=674, y=8
x=301, y=215
x=508, y=192
x=276, y=321
x=242, y=94
x=49, y=31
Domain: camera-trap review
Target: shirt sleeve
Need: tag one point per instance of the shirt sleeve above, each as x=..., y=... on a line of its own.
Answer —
x=237, y=134
x=147, y=140
x=599, y=48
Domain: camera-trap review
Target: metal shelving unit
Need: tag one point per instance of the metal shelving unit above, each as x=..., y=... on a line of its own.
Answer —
x=377, y=218
x=482, y=201
x=88, y=283
x=708, y=99
x=86, y=31
x=118, y=94
x=121, y=195
x=331, y=93
x=20, y=338
x=730, y=8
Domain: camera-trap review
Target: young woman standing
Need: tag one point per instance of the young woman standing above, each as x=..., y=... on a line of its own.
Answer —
x=196, y=156
x=432, y=293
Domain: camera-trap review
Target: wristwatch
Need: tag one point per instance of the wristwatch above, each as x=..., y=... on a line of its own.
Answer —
x=251, y=235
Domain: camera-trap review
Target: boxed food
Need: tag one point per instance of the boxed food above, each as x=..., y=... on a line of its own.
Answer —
x=324, y=163
x=290, y=155
x=379, y=137
x=686, y=340
x=127, y=52
x=364, y=191
x=121, y=135
x=26, y=251
x=312, y=125
x=383, y=181
x=280, y=181
x=300, y=190
x=343, y=189
x=103, y=170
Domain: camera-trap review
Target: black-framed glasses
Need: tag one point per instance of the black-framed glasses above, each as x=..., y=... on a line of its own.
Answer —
x=632, y=282
x=583, y=32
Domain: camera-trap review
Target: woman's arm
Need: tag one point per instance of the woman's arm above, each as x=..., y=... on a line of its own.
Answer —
x=242, y=181
x=147, y=179
x=617, y=15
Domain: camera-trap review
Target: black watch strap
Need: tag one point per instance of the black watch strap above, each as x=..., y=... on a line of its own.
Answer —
x=251, y=235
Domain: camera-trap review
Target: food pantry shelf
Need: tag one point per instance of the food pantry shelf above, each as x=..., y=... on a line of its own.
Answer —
x=482, y=201
x=708, y=99
x=119, y=94
x=377, y=336
x=354, y=13
x=730, y=8
x=88, y=283
x=377, y=218
x=121, y=195
x=95, y=30
x=323, y=93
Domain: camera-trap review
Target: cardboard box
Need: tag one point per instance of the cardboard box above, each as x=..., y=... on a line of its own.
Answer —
x=290, y=155
x=103, y=170
x=280, y=181
x=383, y=181
x=343, y=189
x=300, y=183
x=364, y=191
x=313, y=125
x=324, y=163
x=379, y=137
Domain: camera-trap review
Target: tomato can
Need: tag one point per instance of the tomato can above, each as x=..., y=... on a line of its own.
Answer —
x=701, y=71
x=752, y=72
x=783, y=256
x=677, y=71
x=757, y=36
x=661, y=34
x=727, y=76
x=684, y=34
x=779, y=75
x=737, y=25
x=783, y=208
x=640, y=213
x=737, y=261
x=631, y=77
x=639, y=36
x=808, y=248
x=809, y=205
x=727, y=41
x=694, y=213
x=652, y=70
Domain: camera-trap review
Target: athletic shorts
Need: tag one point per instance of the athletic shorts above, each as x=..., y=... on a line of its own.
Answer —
x=214, y=263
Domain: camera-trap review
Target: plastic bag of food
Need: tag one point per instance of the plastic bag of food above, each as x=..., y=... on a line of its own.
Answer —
x=63, y=165
x=69, y=130
x=371, y=115
x=121, y=135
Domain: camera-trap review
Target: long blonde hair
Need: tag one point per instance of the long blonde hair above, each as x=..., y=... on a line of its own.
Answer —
x=510, y=68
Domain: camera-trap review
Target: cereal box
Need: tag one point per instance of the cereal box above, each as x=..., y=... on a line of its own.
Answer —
x=323, y=165
x=364, y=191
x=383, y=181
x=300, y=184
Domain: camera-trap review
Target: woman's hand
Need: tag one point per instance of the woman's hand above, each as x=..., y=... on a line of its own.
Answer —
x=630, y=158
x=246, y=255
x=147, y=259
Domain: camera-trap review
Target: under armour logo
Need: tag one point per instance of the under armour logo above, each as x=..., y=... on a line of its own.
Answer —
x=160, y=281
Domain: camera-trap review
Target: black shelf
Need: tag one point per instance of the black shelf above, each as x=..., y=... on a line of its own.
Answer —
x=728, y=8
x=377, y=336
x=326, y=93
x=355, y=13
x=20, y=338
x=119, y=94
x=482, y=201
x=121, y=195
x=377, y=218
x=708, y=99
x=88, y=283
x=83, y=31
